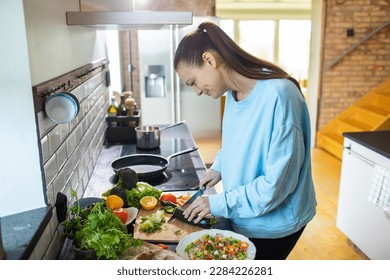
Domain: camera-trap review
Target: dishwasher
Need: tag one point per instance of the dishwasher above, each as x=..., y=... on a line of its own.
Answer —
x=365, y=224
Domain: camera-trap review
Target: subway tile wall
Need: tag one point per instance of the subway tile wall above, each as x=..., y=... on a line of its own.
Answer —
x=69, y=153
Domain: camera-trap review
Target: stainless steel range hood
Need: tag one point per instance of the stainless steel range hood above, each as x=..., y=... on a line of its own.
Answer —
x=129, y=20
x=120, y=15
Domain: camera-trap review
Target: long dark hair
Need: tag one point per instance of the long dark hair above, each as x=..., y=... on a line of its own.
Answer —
x=209, y=37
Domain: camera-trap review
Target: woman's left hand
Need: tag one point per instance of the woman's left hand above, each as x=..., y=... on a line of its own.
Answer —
x=200, y=207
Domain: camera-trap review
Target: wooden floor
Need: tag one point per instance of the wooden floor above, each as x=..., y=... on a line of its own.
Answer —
x=321, y=240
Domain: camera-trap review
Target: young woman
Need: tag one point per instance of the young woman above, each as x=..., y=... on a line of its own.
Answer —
x=264, y=162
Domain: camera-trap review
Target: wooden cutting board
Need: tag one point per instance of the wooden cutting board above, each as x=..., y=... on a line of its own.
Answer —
x=172, y=232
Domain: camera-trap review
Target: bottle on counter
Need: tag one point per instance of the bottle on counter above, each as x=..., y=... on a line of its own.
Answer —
x=122, y=110
x=112, y=109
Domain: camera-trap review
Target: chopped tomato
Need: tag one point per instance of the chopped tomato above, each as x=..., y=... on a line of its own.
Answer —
x=122, y=214
x=231, y=249
x=243, y=245
x=165, y=247
x=168, y=197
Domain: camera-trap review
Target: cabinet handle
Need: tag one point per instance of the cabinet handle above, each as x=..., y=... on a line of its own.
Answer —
x=359, y=156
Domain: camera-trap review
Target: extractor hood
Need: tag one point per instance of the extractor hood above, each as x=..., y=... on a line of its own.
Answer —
x=120, y=15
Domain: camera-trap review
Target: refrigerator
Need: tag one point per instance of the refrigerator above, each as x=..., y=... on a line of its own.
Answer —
x=164, y=98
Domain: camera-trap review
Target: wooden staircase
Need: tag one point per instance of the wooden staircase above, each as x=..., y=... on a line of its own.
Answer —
x=369, y=113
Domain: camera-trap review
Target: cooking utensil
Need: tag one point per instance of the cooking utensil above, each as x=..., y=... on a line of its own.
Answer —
x=148, y=136
x=62, y=107
x=179, y=211
x=147, y=166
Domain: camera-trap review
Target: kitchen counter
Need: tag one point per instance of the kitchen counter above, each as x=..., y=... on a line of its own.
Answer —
x=178, y=138
x=21, y=232
x=378, y=141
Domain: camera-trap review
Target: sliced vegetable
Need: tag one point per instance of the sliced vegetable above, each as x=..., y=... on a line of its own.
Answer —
x=114, y=202
x=165, y=247
x=168, y=209
x=122, y=214
x=152, y=222
x=168, y=197
x=148, y=202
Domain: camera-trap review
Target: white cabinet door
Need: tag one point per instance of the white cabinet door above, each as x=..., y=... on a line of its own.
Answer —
x=365, y=224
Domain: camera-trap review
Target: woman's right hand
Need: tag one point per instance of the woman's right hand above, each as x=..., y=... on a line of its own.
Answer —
x=211, y=178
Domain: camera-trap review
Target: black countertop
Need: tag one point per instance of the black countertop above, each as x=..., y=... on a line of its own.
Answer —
x=378, y=141
x=178, y=137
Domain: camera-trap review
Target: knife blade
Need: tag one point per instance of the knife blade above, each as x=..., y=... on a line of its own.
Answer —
x=200, y=192
x=182, y=208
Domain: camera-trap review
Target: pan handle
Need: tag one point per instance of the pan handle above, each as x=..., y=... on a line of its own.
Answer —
x=182, y=152
x=172, y=125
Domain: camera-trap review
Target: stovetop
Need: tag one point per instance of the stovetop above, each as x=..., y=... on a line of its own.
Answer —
x=180, y=174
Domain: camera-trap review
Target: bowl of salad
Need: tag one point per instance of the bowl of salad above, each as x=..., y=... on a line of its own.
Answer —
x=216, y=244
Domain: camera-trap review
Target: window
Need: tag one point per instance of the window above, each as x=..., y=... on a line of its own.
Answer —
x=283, y=42
x=258, y=38
x=294, y=47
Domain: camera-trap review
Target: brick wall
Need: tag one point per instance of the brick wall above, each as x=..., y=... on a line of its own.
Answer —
x=365, y=67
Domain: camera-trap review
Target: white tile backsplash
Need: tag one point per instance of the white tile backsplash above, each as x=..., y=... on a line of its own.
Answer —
x=51, y=169
x=62, y=155
x=70, y=152
x=45, y=149
x=55, y=139
x=44, y=123
x=43, y=243
x=64, y=130
x=59, y=182
x=71, y=143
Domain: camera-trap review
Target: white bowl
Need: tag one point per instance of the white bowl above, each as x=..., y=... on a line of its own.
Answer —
x=180, y=249
x=62, y=107
x=132, y=211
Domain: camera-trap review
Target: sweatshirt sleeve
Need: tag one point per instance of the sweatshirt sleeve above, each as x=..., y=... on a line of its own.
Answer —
x=285, y=159
x=217, y=162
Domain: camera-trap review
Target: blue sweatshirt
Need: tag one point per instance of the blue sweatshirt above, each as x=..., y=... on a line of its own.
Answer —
x=265, y=162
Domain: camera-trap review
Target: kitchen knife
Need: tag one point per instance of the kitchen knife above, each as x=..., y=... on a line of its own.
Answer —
x=179, y=211
x=179, y=214
x=200, y=192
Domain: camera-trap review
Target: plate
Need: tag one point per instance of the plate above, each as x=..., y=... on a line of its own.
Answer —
x=180, y=249
x=132, y=211
x=62, y=107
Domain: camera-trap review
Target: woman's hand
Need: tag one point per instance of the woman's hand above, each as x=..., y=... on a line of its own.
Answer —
x=211, y=178
x=200, y=207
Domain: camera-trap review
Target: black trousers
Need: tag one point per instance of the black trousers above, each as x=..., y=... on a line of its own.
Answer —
x=275, y=249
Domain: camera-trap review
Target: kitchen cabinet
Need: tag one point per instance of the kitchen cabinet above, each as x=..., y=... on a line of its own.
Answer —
x=364, y=223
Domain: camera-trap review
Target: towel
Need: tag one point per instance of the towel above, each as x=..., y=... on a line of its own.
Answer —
x=380, y=188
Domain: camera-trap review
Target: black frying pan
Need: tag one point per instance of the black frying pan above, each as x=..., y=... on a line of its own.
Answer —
x=146, y=166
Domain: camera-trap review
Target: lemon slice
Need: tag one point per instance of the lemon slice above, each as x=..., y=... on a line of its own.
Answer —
x=148, y=202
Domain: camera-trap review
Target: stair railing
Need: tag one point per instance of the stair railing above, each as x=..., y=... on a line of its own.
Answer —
x=358, y=43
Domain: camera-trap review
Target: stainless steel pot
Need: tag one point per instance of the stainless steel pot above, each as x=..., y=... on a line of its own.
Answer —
x=148, y=136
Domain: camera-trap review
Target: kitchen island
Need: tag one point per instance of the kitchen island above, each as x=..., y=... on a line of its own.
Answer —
x=182, y=174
